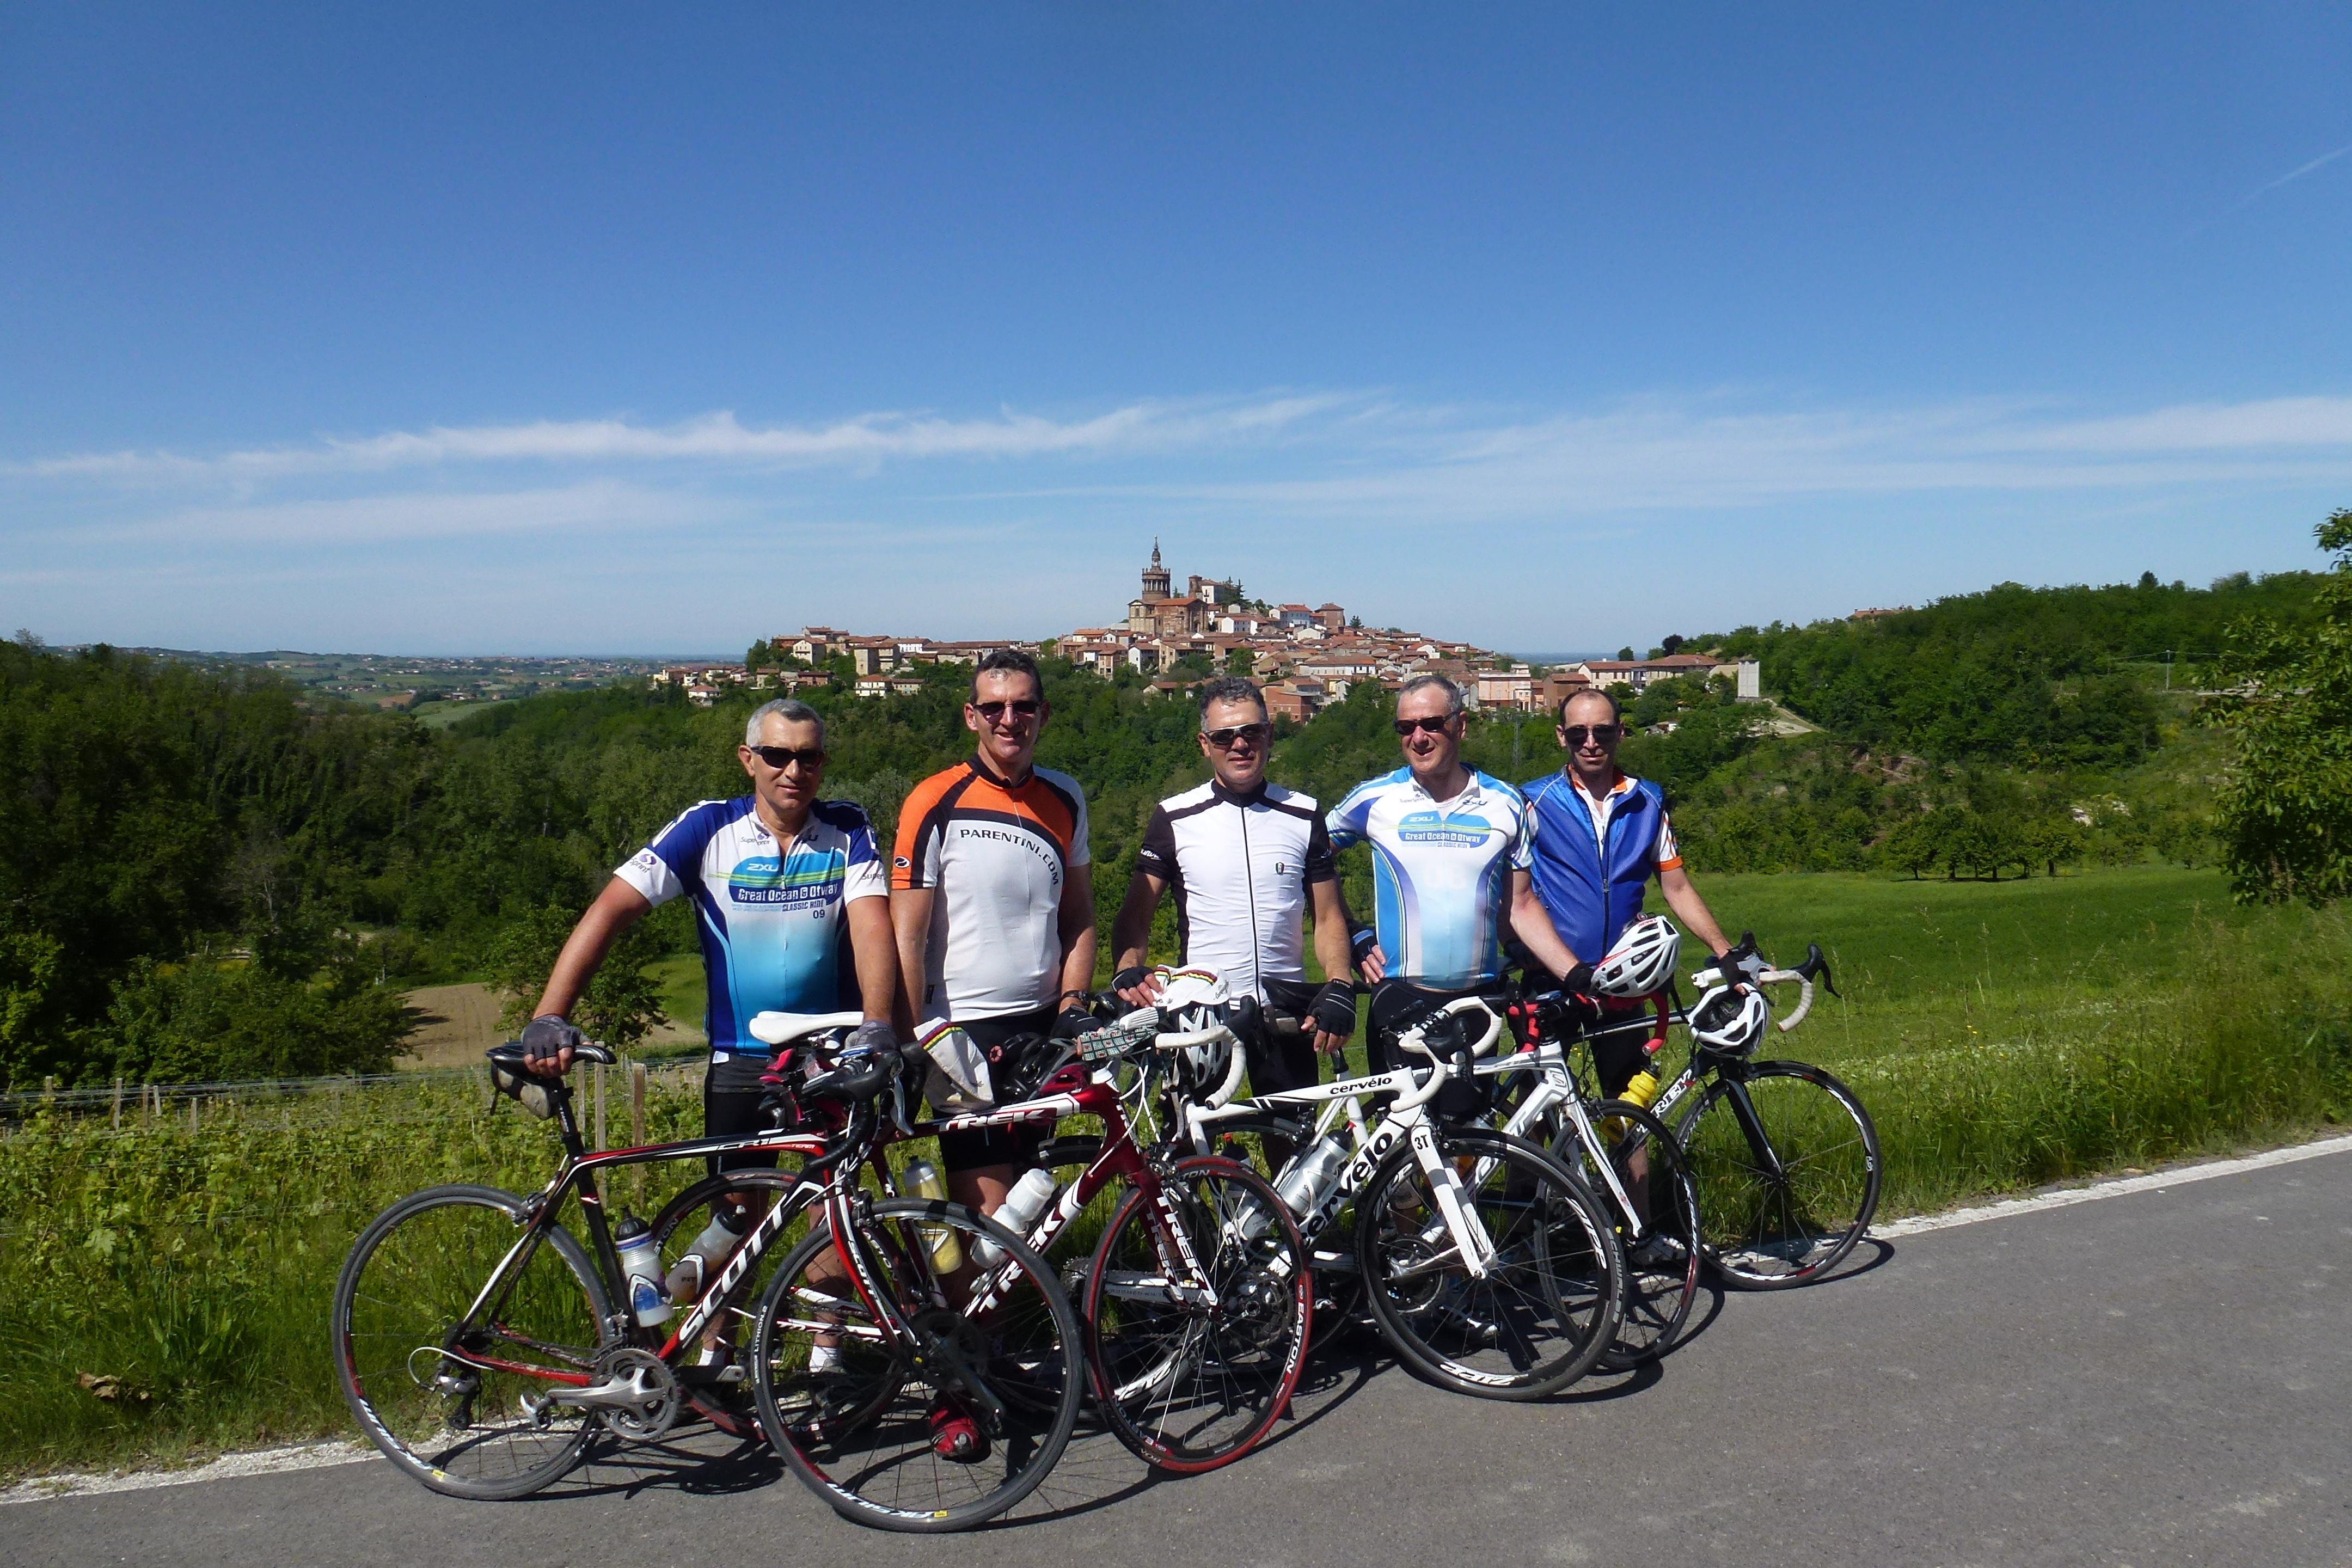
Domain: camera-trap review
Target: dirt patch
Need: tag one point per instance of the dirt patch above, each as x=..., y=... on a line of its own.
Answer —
x=454, y=1025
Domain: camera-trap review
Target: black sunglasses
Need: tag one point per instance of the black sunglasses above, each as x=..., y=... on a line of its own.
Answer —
x=1224, y=738
x=1602, y=734
x=810, y=757
x=1023, y=708
x=1435, y=724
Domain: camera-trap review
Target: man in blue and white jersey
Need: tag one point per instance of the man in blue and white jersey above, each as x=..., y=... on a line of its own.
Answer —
x=1445, y=841
x=791, y=902
x=1595, y=837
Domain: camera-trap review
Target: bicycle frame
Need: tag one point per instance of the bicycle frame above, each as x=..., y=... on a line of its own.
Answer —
x=1407, y=1121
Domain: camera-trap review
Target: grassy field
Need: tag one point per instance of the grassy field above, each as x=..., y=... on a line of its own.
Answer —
x=2003, y=1036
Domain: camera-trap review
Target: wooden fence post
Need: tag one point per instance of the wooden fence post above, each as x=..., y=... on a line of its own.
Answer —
x=600, y=1107
x=638, y=1122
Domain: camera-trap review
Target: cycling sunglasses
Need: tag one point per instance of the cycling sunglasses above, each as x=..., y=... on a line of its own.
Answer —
x=1023, y=708
x=810, y=757
x=1601, y=733
x=1435, y=724
x=1224, y=738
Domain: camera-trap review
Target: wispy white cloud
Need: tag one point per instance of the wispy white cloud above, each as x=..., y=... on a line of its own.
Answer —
x=721, y=439
x=2296, y=173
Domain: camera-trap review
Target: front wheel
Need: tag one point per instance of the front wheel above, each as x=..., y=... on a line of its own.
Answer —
x=1787, y=1166
x=1544, y=1308
x=448, y=1361
x=947, y=1424
x=1190, y=1383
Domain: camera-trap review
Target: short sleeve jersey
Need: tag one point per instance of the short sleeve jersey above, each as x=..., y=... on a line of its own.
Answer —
x=1239, y=865
x=1441, y=873
x=996, y=856
x=773, y=918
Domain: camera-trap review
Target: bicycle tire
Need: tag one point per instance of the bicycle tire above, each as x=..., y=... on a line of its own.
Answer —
x=1661, y=1264
x=729, y=1406
x=868, y=1417
x=406, y=1287
x=1546, y=1309
x=1766, y=1232
x=1189, y=1389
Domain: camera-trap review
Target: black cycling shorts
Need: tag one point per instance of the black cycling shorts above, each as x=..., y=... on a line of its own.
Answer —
x=1397, y=1005
x=731, y=1092
x=1617, y=1041
x=1282, y=1057
x=981, y=1147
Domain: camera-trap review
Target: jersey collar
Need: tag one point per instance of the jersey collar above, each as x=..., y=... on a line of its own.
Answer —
x=1217, y=790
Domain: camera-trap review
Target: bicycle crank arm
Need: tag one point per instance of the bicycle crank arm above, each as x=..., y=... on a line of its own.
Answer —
x=1121, y=1285
x=634, y=1391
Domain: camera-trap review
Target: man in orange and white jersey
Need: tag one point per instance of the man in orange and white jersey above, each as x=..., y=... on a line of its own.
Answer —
x=993, y=902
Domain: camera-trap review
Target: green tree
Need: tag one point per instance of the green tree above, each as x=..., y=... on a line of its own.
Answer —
x=2283, y=812
x=623, y=1004
x=2048, y=840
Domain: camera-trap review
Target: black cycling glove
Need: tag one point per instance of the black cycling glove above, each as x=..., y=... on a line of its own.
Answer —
x=1360, y=943
x=1076, y=1019
x=1578, y=981
x=874, y=1035
x=1127, y=979
x=546, y=1038
x=1334, y=1010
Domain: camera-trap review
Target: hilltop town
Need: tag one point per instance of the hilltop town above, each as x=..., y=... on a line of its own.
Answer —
x=1303, y=656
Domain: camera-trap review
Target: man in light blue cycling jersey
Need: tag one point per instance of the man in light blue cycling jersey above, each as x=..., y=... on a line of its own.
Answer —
x=791, y=902
x=1445, y=840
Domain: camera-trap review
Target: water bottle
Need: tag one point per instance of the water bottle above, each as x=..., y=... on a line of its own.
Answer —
x=641, y=1267
x=923, y=1179
x=1023, y=1205
x=1310, y=1175
x=705, y=1253
x=1644, y=1089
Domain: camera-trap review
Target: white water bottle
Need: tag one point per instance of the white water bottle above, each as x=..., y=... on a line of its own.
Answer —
x=1311, y=1175
x=641, y=1268
x=1021, y=1208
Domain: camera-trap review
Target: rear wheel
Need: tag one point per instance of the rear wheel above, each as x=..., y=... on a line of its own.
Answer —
x=1787, y=1166
x=1545, y=1306
x=1660, y=1239
x=454, y=1386
x=1189, y=1386
x=938, y=1433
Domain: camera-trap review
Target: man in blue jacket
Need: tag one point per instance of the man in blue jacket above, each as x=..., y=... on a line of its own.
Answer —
x=1594, y=838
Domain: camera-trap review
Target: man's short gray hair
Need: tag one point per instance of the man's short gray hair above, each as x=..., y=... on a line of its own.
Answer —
x=1230, y=689
x=791, y=709
x=1454, y=704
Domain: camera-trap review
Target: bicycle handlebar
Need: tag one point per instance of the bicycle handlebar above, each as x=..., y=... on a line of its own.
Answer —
x=1815, y=963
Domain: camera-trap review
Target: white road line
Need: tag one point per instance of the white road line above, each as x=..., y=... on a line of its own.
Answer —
x=2154, y=1182
x=259, y=1462
x=319, y=1456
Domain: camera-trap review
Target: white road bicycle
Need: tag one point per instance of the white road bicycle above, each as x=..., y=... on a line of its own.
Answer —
x=1783, y=1157
x=1486, y=1261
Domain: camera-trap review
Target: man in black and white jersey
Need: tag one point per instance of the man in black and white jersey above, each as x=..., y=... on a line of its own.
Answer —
x=1245, y=859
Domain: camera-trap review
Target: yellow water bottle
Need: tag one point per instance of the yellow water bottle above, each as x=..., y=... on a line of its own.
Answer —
x=1644, y=1089
x=923, y=1179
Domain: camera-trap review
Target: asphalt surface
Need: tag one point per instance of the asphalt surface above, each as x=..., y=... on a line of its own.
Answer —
x=2163, y=1377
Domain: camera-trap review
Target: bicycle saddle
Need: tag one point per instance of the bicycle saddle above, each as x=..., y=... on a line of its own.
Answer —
x=783, y=1028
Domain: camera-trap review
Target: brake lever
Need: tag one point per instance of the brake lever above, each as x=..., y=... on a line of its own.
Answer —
x=1816, y=963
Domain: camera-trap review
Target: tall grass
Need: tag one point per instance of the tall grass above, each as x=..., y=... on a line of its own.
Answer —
x=2001, y=1037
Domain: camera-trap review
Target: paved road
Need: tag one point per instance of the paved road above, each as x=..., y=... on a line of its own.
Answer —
x=2159, y=1378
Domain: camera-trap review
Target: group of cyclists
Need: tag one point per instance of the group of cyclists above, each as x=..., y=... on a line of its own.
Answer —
x=980, y=933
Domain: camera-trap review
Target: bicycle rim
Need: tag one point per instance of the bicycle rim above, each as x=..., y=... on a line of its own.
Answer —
x=1660, y=1239
x=401, y=1321
x=1546, y=1307
x=1786, y=1214
x=859, y=1423
x=1187, y=1386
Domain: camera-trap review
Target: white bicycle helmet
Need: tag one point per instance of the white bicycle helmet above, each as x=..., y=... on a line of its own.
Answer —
x=1195, y=1005
x=1730, y=1019
x=1642, y=962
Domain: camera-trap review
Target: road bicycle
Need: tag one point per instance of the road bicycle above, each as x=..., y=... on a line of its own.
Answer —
x=1485, y=1262
x=482, y=1346
x=1784, y=1159
x=1195, y=1303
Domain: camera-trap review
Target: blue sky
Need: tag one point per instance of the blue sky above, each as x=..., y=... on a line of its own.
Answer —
x=638, y=328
